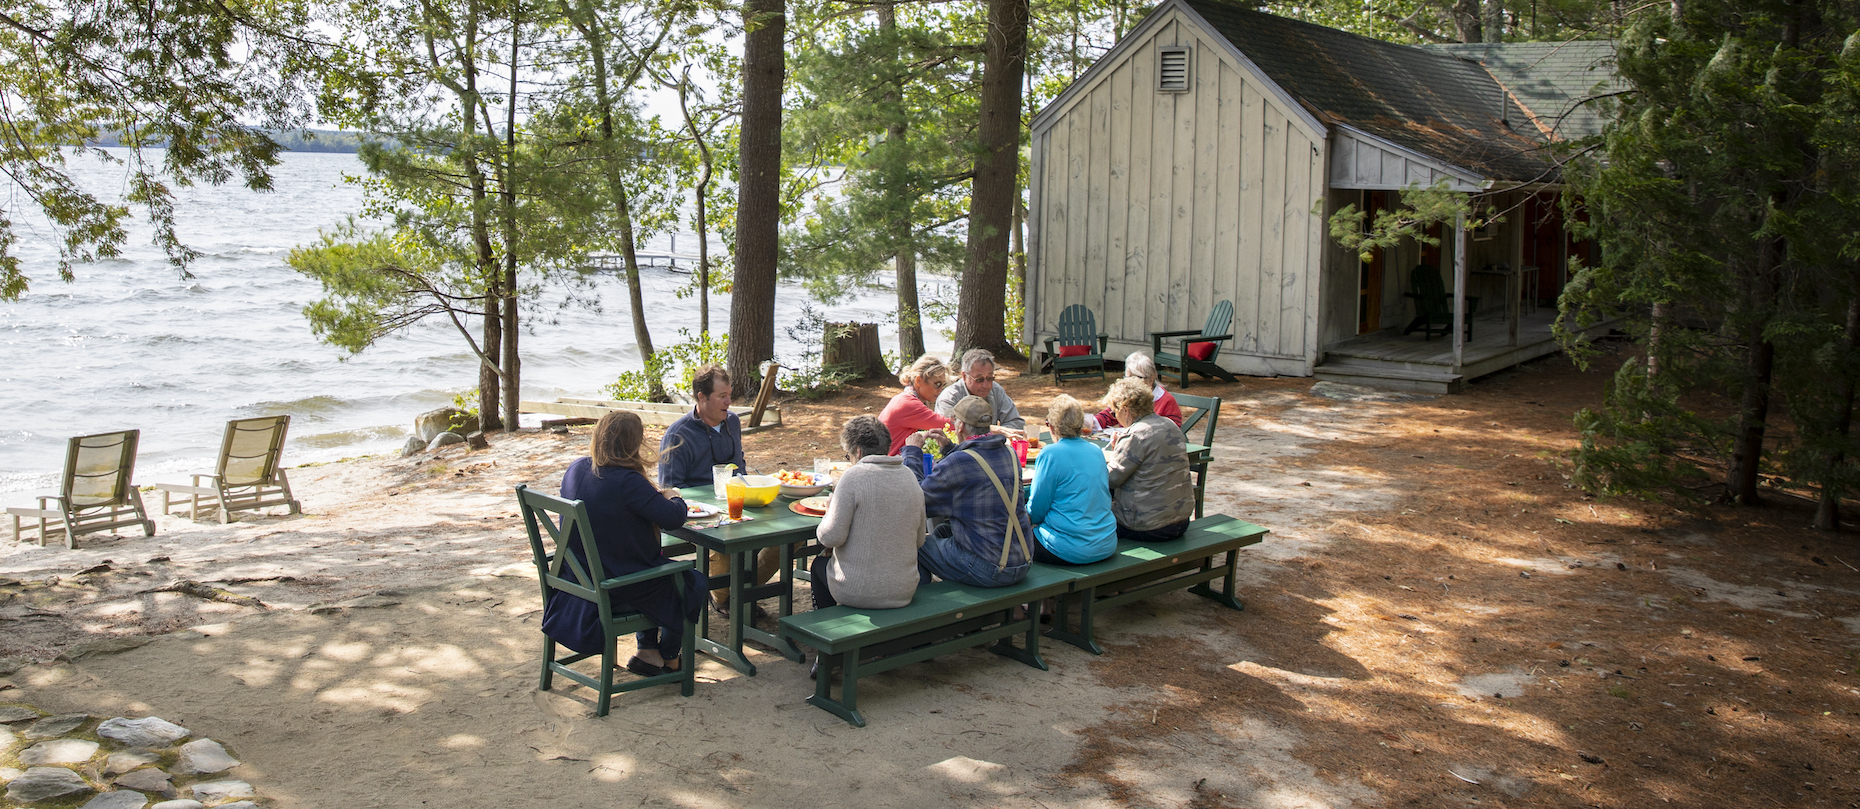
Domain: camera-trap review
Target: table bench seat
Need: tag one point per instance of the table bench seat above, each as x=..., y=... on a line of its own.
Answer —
x=943, y=617
x=1139, y=570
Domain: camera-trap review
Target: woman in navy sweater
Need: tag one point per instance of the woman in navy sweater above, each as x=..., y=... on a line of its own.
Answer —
x=626, y=513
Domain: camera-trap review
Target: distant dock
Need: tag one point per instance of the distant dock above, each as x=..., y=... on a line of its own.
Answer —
x=648, y=259
x=671, y=259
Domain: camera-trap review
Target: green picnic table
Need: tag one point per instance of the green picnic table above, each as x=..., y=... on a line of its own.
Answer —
x=774, y=525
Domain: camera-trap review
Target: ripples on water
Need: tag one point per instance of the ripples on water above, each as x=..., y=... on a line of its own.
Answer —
x=132, y=344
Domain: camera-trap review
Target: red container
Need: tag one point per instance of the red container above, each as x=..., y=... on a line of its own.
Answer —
x=1020, y=450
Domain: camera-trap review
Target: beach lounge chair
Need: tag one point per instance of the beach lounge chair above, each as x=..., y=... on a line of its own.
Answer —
x=95, y=494
x=1196, y=349
x=557, y=517
x=248, y=476
x=1080, y=351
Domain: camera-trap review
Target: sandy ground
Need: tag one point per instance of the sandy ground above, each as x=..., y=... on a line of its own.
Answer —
x=1436, y=620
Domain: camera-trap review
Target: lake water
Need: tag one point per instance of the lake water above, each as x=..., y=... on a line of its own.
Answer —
x=131, y=344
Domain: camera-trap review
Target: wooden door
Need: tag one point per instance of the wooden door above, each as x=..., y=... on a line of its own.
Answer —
x=1370, y=273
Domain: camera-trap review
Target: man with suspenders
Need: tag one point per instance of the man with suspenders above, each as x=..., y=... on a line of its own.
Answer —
x=973, y=498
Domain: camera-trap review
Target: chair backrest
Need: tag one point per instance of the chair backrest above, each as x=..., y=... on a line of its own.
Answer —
x=1077, y=326
x=565, y=522
x=1220, y=319
x=98, y=468
x=1426, y=282
x=249, y=453
x=1206, y=415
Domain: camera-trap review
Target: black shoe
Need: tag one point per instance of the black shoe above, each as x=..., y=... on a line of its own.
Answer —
x=645, y=669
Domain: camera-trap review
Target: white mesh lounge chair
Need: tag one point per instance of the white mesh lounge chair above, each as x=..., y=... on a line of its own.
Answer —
x=95, y=494
x=248, y=476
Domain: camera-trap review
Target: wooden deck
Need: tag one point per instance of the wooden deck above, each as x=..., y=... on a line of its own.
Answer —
x=1389, y=359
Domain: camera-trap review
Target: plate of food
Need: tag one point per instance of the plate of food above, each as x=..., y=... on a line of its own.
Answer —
x=815, y=506
x=796, y=483
x=698, y=511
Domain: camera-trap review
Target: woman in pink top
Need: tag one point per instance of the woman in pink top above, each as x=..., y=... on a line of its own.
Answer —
x=910, y=410
x=1140, y=366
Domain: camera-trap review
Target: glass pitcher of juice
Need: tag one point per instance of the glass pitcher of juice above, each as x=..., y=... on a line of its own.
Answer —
x=734, y=492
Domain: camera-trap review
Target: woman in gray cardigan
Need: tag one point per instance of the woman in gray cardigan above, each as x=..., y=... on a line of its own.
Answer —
x=1152, y=495
x=873, y=527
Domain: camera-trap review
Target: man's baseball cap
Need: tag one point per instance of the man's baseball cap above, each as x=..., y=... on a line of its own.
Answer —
x=976, y=412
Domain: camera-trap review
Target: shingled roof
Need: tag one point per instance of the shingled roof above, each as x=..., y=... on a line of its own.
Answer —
x=1557, y=82
x=1429, y=101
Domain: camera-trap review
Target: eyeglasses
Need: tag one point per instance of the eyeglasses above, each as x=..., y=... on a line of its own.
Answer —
x=989, y=379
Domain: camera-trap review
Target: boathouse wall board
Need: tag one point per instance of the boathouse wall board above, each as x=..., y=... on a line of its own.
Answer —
x=1149, y=207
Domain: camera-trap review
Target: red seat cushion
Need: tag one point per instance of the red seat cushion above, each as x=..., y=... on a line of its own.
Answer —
x=1201, y=351
x=1074, y=351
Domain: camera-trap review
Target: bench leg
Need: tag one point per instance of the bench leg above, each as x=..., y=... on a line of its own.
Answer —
x=1226, y=596
x=1062, y=623
x=846, y=706
x=1030, y=655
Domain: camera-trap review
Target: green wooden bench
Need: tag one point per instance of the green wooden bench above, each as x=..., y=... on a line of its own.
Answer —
x=1140, y=570
x=942, y=618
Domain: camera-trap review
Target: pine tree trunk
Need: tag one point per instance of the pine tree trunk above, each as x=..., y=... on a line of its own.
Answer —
x=1828, y=510
x=1467, y=21
x=594, y=35
x=642, y=334
x=982, y=301
x=910, y=321
x=752, y=305
x=1759, y=369
x=703, y=234
x=1494, y=28
x=513, y=388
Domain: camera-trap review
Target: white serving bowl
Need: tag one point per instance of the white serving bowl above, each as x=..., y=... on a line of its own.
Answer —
x=820, y=482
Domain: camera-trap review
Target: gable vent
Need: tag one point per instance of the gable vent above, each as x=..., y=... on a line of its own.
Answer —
x=1172, y=69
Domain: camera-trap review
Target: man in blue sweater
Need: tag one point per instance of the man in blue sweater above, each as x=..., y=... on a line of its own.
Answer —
x=709, y=435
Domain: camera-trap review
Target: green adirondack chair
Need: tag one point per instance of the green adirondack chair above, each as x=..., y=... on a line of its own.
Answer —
x=1433, y=305
x=1078, y=327
x=1206, y=415
x=1215, y=331
x=557, y=517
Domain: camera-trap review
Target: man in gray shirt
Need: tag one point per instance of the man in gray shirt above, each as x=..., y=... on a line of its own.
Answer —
x=978, y=379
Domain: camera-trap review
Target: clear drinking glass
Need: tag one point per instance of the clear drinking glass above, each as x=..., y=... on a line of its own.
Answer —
x=720, y=478
x=823, y=466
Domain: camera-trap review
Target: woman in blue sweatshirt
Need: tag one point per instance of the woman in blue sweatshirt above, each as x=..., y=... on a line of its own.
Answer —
x=1071, y=503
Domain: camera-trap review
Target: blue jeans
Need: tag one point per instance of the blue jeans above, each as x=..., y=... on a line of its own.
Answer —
x=942, y=556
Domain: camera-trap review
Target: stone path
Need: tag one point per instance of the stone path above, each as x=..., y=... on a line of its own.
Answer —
x=118, y=763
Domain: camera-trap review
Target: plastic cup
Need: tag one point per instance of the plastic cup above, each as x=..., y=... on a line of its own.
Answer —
x=734, y=492
x=720, y=478
x=1020, y=450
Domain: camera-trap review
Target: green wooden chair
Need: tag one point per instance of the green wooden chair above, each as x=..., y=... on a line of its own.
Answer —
x=1184, y=360
x=1433, y=305
x=1077, y=327
x=1206, y=415
x=248, y=476
x=565, y=521
x=95, y=493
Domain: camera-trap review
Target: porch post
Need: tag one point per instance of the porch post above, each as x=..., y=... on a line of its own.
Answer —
x=1459, y=291
x=1514, y=302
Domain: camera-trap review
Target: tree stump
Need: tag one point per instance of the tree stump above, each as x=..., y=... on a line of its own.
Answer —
x=855, y=348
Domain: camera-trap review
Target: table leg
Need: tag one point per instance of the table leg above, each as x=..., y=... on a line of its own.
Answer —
x=731, y=652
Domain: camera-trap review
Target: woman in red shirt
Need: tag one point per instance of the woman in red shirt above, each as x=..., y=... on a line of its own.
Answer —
x=1140, y=366
x=911, y=410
